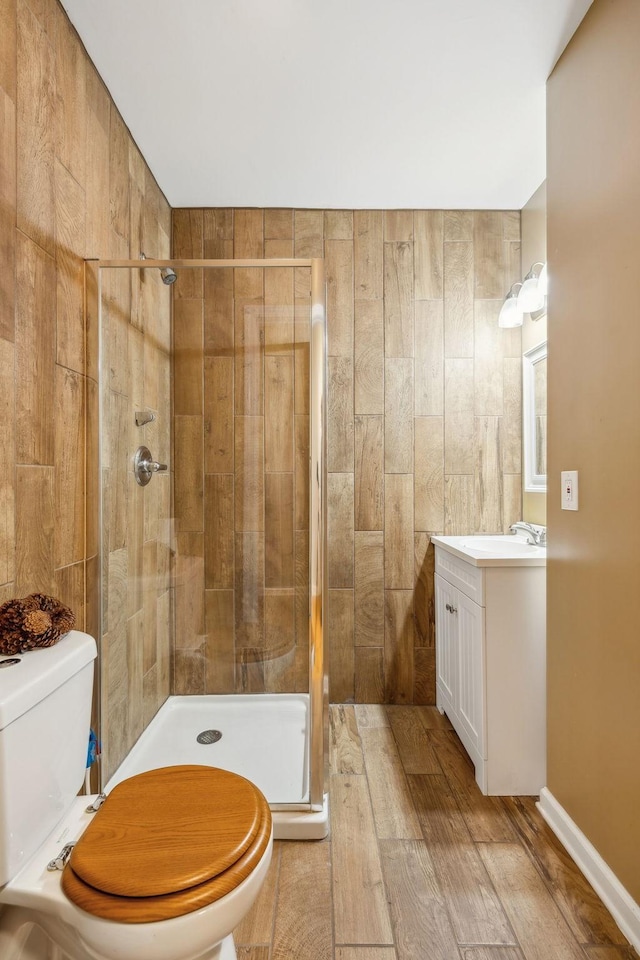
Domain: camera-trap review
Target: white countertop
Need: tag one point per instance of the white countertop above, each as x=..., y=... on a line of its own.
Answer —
x=484, y=550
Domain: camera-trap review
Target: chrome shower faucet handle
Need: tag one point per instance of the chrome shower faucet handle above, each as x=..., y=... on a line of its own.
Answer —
x=144, y=466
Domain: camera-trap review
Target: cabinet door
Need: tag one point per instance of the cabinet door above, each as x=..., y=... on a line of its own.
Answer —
x=446, y=643
x=471, y=671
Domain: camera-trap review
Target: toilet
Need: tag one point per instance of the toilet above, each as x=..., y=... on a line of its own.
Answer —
x=163, y=869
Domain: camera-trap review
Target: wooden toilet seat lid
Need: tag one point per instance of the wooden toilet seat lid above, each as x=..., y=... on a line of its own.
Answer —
x=168, y=830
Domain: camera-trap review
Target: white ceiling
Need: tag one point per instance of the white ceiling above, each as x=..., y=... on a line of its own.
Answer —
x=333, y=103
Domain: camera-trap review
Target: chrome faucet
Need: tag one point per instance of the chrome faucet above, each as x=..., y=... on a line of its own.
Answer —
x=536, y=537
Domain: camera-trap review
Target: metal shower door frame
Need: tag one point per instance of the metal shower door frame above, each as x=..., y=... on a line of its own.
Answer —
x=318, y=673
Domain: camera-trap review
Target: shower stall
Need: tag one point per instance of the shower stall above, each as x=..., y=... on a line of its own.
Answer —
x=209, y=431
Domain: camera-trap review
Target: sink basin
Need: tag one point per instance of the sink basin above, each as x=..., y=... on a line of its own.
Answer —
x=506, y=545
x=500, y=550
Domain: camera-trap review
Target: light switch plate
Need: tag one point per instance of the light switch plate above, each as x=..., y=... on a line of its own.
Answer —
x=569, y=493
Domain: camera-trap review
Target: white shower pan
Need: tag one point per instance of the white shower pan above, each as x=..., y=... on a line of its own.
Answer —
x=264, y=737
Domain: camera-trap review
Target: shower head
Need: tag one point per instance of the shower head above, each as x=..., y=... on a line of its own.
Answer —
x=168, y=275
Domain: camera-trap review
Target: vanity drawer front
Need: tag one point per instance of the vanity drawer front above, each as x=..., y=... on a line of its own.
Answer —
x=467, y=578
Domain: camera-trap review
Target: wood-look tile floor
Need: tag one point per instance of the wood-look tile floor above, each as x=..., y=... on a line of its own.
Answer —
x=419, y=864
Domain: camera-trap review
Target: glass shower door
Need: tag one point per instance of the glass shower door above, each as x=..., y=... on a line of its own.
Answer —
x=242, y=430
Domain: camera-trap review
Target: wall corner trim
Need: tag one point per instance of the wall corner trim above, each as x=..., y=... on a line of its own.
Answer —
x=624, y=909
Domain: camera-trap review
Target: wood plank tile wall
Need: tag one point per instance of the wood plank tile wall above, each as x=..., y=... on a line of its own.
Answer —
x=73, y=185
x=424, y=420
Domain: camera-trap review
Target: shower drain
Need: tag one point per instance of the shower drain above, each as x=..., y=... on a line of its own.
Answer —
x=209, y=736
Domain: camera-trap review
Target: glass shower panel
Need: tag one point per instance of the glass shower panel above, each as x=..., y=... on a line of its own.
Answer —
x=134, y=317
x=241, y=475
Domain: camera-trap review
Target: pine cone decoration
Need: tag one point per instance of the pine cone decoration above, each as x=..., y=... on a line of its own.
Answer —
x=33, y=621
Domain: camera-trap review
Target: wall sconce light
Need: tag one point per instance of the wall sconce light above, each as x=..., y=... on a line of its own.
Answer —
x=526, y=297
x=531, y=296
x=510, y=313
x=543, y=285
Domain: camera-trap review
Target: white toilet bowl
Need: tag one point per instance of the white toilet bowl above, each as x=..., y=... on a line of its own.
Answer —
x=164, y=870
x=35, y=896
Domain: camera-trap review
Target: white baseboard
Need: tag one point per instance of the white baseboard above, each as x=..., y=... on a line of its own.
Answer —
x=620, y=903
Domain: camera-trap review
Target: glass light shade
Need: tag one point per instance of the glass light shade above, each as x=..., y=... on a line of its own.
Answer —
x=542, y=281
x=510, y=314
x=530, y=297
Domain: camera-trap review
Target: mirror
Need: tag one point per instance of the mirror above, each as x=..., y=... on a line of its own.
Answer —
x=534, y=388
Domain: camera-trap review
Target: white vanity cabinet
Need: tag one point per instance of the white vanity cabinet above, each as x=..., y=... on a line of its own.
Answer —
x=490, y=661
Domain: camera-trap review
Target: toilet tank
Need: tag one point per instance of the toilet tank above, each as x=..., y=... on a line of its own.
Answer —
x=45, y=713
